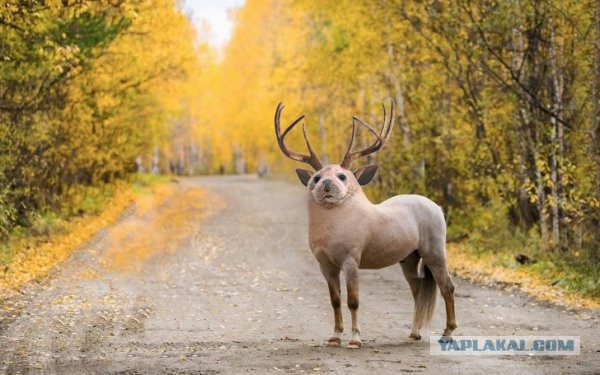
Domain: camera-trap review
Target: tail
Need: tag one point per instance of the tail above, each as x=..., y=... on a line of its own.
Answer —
x=425, y=300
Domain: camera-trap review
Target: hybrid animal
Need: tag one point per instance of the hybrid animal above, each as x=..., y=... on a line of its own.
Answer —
x=347, y=232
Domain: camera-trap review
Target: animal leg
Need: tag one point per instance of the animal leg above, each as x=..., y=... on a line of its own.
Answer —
x=444, y=281
x=410, y=268
x=332, y=277
x=351, y=273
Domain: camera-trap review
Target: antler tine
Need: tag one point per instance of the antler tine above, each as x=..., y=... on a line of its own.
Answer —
x=389, y=127
x=382, y=138
x=386, y=127
x=348, y=154
x=371, y=129
x=312, y=159
x=312, y=152
x=351, y=138
x=384, y=120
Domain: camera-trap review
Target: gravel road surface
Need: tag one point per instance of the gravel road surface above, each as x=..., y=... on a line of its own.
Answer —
x=242, y=294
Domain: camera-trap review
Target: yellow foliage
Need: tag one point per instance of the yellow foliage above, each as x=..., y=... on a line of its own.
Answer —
x=39, y=255
x=164, y=216
x=160, y=222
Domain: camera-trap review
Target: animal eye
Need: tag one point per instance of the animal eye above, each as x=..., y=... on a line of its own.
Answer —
x=316, y=179
x=342, y=177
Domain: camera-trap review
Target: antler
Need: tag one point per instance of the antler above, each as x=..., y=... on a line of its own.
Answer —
x=312, y=159
x=382, y=137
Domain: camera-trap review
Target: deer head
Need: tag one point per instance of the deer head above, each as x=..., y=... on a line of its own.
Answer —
x=334, y=184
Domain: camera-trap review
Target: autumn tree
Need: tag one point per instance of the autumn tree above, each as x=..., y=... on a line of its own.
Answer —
x=497, y=105
x=85, y=88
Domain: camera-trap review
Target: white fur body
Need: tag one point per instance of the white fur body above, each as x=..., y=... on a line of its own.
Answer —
x=375, y=235
x=347, y=232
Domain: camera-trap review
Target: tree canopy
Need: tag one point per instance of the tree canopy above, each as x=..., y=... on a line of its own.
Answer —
x=86, y=87
x=498, y=103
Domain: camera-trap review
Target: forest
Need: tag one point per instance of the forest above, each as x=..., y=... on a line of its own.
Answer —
x=87, y=90
x=497, y=106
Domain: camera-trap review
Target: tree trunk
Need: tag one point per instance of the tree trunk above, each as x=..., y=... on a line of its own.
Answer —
x=324, y=155
x=595, y=129
x=557, y=152
x=155, y=161
x=398, y=96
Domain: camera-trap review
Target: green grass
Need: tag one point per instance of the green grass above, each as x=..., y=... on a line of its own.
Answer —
x=570, y=273
x=143, y=184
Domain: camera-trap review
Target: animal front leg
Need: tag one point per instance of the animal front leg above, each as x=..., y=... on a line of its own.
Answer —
x=351, y=272
x=332, y=277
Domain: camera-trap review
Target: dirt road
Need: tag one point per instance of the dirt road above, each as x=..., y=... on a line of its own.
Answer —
x=242, y=294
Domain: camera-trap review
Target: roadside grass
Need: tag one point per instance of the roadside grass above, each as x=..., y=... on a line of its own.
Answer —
x=548, y=280
x=158, y=225
x=500, y=257
x=30, y=253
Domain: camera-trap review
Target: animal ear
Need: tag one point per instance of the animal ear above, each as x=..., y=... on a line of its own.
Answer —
x=365, y=174
x=304, y=175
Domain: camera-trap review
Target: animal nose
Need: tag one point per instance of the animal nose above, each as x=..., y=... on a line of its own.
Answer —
x=327, y=185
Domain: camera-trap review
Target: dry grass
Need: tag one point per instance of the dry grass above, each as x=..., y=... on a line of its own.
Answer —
x=160, y=222
x=165, y=214
x=487, y=269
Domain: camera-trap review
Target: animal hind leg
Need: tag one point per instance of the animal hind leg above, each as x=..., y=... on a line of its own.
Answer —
x=442, y=277
x=410, y=268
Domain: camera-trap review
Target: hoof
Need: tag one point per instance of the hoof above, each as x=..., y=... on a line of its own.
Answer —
x=445, y=339
x=415, y=336
x=334, y=342
x=353, y=344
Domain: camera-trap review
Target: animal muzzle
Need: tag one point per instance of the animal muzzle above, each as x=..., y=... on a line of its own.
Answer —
x=328, y=191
